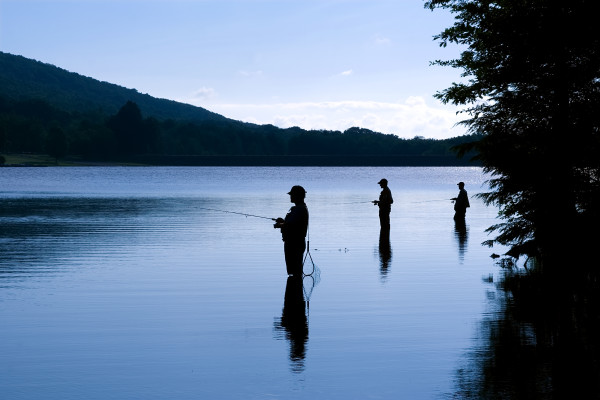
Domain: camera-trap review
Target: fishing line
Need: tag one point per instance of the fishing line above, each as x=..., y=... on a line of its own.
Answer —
x=410, y=202
x=307, y=255
x=357, y=202
x=238, y=213
x=429, y=201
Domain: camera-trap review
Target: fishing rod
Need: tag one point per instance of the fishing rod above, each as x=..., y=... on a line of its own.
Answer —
x=452, y=199
x=238, y=213
x=358, y=202
x=429, y=201
x=410, y=202
x=307, y=255
x=373, y=201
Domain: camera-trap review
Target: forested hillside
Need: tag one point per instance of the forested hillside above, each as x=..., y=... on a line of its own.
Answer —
x=45, y=109
x=25, y=79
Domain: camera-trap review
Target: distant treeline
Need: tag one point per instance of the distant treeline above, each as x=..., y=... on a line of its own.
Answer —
x=48, y=110
x=36, y=126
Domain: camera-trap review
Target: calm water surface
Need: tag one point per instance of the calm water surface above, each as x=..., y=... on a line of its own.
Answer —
x=121, y=283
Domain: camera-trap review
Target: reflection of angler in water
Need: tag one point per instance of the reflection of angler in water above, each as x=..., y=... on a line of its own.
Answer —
x=462, y=235
x=385, y=253
x=294, y=322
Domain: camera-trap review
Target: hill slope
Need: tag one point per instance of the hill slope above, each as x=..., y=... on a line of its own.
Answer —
x=23, y=79
x=48, y=110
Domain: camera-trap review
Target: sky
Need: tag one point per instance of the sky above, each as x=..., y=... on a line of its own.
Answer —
x=315, y=64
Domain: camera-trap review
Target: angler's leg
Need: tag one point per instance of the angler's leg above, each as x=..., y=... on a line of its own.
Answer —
x=384, y=220
x=293, y=257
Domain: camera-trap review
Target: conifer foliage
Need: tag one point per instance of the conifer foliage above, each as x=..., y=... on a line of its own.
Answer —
x=531, y=84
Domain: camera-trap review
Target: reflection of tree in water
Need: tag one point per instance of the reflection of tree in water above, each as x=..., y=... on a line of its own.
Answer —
x=535, y=344
x=461, y=233
x=294, y=323
x=385, y=253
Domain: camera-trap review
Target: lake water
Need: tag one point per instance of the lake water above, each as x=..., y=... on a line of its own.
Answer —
x=126, y=282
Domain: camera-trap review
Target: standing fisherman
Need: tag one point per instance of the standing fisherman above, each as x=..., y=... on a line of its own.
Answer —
x=385, y=205
x=461, y=202
x=293, y=231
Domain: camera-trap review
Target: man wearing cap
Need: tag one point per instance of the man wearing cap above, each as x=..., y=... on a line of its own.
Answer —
x=293, y=231
x=461, y=202
x=385, y=205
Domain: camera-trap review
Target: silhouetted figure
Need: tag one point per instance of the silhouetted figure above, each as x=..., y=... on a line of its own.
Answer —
x=461, y=202
x=293, y=231
x=461, y=234
x=385, y=252
x=385, y=205
x=294, y=322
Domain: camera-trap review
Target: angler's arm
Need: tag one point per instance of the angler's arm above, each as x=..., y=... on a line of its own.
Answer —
x=279, y=222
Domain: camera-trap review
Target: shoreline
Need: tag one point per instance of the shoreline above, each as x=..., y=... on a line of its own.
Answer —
x=40, y=160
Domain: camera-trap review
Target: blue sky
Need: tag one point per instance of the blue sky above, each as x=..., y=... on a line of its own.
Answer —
x=317, y=64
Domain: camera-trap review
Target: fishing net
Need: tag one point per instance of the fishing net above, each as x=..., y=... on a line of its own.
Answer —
x=311, y=274
x=309, y=268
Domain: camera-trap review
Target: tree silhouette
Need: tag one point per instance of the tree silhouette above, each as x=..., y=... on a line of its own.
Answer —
x=128, y=127
x=531, y=82
x=56, y=143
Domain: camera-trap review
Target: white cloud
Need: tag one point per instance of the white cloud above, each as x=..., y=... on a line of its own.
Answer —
x=346, y=73
x=249, y=74
x=382, y=40
x=203, y=94
x=413, y=117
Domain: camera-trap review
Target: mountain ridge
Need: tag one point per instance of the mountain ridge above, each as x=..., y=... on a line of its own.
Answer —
x=23, y=78
x=45, y=109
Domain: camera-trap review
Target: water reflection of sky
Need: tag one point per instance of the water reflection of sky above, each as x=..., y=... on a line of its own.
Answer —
x=123, y=278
